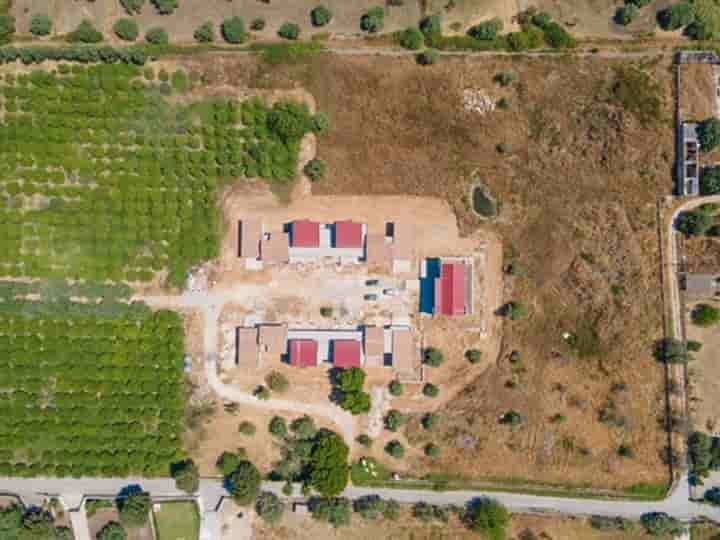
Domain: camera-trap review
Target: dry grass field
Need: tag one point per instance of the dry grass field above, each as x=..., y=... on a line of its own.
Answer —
x=578, y=178
x=587, y=19
x=294, y=527
x=704, y=380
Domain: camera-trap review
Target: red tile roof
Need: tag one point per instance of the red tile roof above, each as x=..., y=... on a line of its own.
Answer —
x=303, y=353
x=346, y=353
x=348, y=234
x=450, y=290
x=305, y=233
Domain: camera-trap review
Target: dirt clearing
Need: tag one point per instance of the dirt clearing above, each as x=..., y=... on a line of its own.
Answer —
x=704, y=375
x=697, y=92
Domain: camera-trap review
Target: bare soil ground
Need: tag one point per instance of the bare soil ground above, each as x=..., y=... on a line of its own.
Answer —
x=704, y=375
x=697, y=92
x=296, y=527
x=105, y=515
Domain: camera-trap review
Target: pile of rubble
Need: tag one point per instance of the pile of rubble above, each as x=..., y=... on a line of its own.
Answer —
x=198, y=281
x=476, y=101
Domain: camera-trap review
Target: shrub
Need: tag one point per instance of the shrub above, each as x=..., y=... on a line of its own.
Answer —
x=304, y=427
x=335, y=511
x=411, y=38
x=626, y=451
x=277, y=382
x=134, y=509
x=432, y=450
x=516, y=311
x=473, y=356
x=558, y=418
x=85, y=33
x=661, y=524
x=187, y=476
x=511, y=418
x=289, y=30
x=204, y=33
x=126, y=29
x=486, y=31
x=541, y=19
x=604, y=523
x=433, y=357
x=262, y=393
x=319, y=123
x=373, y=21
x=705, y=315
x=395, y=449
x=709, y=134
x=505, y=78
x=40, y=25
x=244, y=483
x=710, y=181
x=132, y=7
x=430, y=390
x=430, y=512
x=257, y=24
x=489, y=518
x=289, y=120
x=165, y=7
x=427, y=58
x=430, y=421
x=269, y=507
x=287, y=489
x=233, y=30
x=371, y=507
x=504, y=104
x=394, y=420
x=315, y=170
x=112, y=531
x=326, y=311
x=278, y=427
x=693, y=223
x=364, y=440
x=7, y=28
x=320, y=16
x=676, y=16
x=396, y=388
x=247, y=428
x=693, y=346
x=157, y=36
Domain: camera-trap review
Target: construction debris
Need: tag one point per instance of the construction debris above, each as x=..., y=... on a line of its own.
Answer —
x=476, y=101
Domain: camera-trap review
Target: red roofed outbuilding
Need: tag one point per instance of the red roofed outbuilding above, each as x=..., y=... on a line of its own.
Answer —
x=450, y=290
x=348, y=234
x=346, y=353
x=303, y=353
x=305, y=233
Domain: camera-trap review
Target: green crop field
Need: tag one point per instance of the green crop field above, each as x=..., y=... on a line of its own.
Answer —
x=101, y=177
x=177, y=521
x=89, y=390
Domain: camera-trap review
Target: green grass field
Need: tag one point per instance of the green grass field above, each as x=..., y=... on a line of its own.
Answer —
x=177, y=521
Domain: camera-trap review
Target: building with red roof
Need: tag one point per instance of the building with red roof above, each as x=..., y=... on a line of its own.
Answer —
x=348, y=234
x=305, y=233
x=303, y=353
x=346, y=353
x=450, y=290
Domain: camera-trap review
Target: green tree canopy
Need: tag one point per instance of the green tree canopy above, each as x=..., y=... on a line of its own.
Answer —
x=165, y=7
x=373, y=21
x=133, y=7
x=40, y=25
x=661, y=524
x=289, y=30
x=710, y=181
x=693, y=223
x=204, y=33
x=269, y=507
x=290, y=120
x=126, y=29
x=676, y=16
x=233, y=30
x=336, y=511
x=411, y=38
x=320, y=16
x=626, y=14
x=112, y=531
x=705, y=315
x=244, y=483
x=157, y=36
x=134, y=509
x=709, y=134
x=228, y=462
x=187, y=476
x=490, y=519
x=85, y=33
x=329, y=464
x=7, y=28
x=486, y=31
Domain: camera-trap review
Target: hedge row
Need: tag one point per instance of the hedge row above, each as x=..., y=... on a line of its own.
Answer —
x=84, y=54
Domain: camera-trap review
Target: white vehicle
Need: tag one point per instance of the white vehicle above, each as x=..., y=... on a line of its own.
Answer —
x=391, y=292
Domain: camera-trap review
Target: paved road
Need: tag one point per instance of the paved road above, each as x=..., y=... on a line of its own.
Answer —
x=211, y=304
